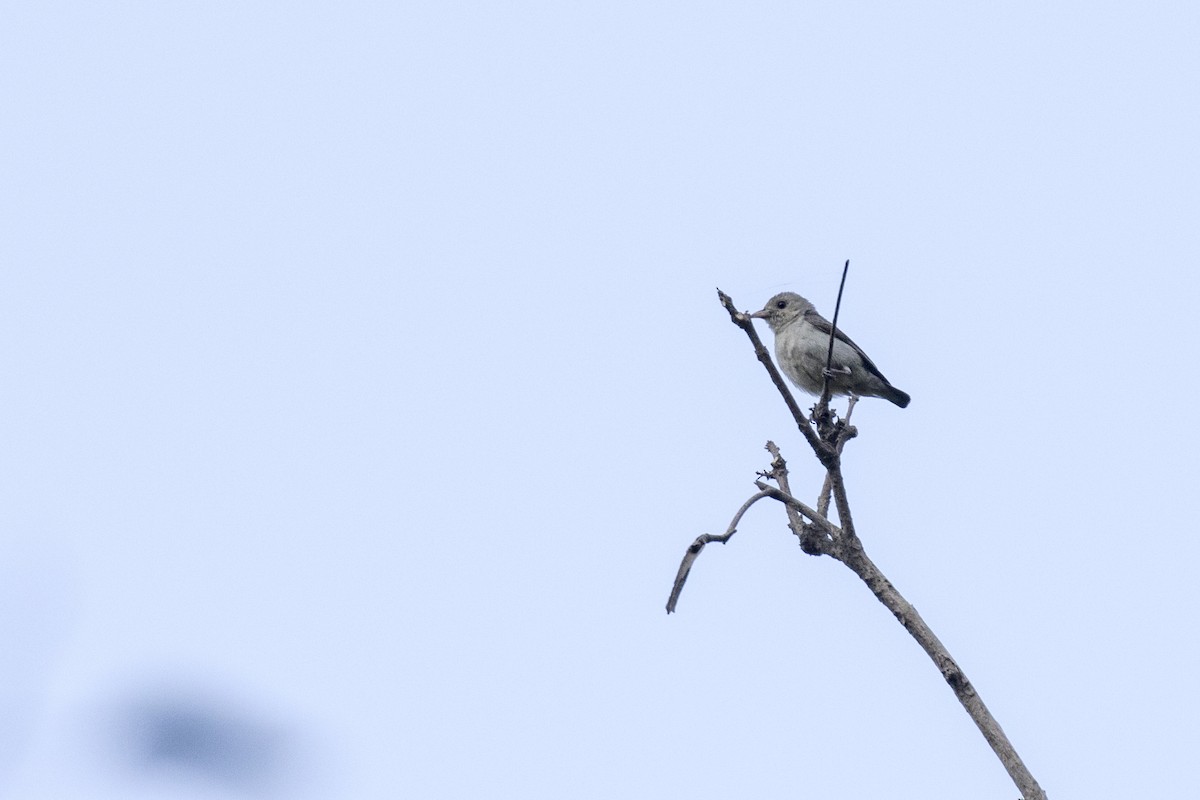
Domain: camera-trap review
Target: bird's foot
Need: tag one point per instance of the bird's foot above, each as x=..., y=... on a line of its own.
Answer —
x=832, y=372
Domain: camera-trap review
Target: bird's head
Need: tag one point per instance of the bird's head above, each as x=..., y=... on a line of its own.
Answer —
x=782, y=309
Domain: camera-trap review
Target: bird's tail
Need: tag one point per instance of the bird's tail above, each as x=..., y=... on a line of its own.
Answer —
x=896, y=396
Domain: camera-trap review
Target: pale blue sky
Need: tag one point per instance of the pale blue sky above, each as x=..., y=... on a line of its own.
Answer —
x=365, y=382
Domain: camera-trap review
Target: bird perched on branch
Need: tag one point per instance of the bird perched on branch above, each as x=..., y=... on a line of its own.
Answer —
x=802, y=347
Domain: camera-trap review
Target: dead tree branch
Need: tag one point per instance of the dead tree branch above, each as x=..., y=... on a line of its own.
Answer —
x=827, y=436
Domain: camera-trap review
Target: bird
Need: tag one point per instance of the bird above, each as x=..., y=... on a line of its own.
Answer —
x=802, y=347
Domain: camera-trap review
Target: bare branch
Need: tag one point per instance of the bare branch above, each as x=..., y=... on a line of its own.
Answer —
x=887, y=594
x=819, y=536
x=824, y=453
x=779, y=474
x=838, y=485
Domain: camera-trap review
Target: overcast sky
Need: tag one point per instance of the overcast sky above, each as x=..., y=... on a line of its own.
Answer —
x=365, y=382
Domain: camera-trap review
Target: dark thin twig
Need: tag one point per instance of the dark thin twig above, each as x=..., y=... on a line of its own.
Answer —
x=825, y=389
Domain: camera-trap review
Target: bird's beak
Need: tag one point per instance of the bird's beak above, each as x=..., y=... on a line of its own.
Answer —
x=759, y=314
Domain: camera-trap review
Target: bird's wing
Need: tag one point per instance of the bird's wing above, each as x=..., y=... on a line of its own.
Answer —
x=825, y=326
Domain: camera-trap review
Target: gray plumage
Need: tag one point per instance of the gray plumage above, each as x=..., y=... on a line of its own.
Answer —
x=802, y=345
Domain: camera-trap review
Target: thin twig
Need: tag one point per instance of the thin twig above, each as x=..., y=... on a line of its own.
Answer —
x=843, y=434
x=805, y=511
x=779, y=474
x=838, y=485
x=851, y=402
x=824, y=497
x=826, y=391
x=694, y=550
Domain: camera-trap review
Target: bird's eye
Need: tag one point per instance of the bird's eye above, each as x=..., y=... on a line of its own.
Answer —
x=781, y=304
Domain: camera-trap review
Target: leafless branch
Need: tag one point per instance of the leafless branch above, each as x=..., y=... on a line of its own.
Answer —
x=819, y=536
x=693, y=551
x=824, y=453
x=847, y=433
x=883, y=589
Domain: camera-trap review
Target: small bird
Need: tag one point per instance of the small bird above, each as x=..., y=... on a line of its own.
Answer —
x=802, y=347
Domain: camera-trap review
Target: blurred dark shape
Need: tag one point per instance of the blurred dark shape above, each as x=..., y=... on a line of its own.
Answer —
x=208, y=740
